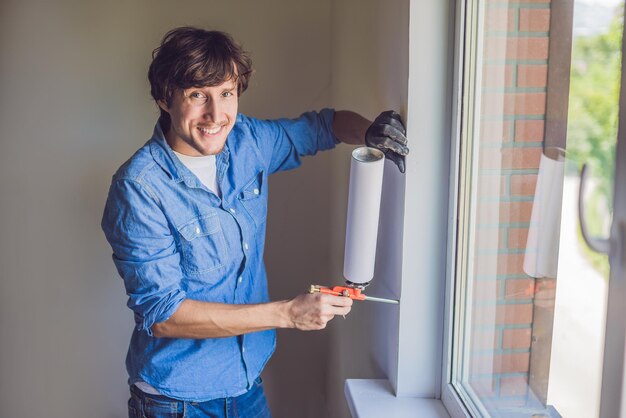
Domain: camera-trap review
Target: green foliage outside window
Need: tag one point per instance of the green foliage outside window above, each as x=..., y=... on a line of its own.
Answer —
x=593, y=120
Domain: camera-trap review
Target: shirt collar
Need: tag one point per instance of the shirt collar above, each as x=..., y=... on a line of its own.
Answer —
x=167, y=160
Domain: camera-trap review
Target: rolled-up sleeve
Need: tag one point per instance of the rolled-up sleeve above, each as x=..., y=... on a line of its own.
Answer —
x=283, y=141
x=144, y=252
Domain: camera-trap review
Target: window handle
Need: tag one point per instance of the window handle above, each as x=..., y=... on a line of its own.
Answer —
x=600, y=245
x=621, y=246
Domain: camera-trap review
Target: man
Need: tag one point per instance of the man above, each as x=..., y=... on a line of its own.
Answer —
x=186, y=218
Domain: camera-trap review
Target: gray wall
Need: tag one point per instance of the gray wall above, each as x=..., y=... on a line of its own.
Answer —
x=369, y=75
x=75, y=104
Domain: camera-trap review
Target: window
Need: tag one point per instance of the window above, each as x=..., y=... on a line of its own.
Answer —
x=527, y=298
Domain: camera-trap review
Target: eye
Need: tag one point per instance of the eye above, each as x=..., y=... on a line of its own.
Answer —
x=197, y=96
x=227, y=94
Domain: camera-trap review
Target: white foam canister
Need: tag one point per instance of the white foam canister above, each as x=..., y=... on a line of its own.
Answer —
x=365, y=189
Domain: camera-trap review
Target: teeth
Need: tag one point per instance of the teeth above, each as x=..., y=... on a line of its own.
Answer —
x=211, y=131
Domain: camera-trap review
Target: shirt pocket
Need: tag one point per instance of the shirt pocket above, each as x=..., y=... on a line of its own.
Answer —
x=253, y=198
x=202, y=244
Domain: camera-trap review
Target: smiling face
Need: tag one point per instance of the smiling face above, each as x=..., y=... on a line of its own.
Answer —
x=201, y=118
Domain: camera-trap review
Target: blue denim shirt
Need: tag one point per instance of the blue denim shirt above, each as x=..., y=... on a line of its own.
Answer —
x=174, y=239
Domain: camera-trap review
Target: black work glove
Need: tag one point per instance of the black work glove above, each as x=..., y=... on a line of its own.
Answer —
x=388, y=134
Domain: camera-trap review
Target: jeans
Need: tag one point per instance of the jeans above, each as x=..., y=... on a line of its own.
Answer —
x=251, y=404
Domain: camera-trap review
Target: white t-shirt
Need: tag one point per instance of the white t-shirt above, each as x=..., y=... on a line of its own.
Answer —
x=204, y=168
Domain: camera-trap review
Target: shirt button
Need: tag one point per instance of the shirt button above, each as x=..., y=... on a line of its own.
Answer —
x=197, y=229
x=245, y=245
x=232, y=210
x=243, y=349
x=255, y=191
x=240, y=279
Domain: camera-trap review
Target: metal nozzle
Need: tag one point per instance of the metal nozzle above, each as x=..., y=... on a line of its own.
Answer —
x=357, y=285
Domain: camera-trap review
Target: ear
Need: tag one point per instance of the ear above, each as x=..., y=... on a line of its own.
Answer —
x=163, y=106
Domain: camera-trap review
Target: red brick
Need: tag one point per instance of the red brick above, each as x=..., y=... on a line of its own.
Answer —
x=486, y=340
x=484, y=388
x=492, y=104
x=484, y=315
x=513, y=386
x=513, y=104
x=524, y=104
x=532, y=75
x=519, y=289
x=481, y=364
x=497, y=75
x=509, y=314
x=515, y=211
x=523, y=184
x=501, y=363
x=527, y=48
x=509, y=158
x=488, y=238
x=534, y=20
x=487, y=213
x=492, y=264
x=486, y=290
x=512, y=363
x=486, y=265
x=545, y=291
x=516, y=338
x=520, y=48
x=507, y=403
x=529, y=130
x=500, y=19
x=491, y=186
x=495, y=131
x=495, y=47
x=503, y=212
x=517, y=238
x=521, y=158
x=515, y=314
x=508, y=263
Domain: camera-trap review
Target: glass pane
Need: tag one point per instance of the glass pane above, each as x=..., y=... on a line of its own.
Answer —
x=542, y=87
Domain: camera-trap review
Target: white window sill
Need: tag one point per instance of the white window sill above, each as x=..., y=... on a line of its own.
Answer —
x=374, y=398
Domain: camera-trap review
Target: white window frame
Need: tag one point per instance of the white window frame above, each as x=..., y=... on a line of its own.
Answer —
x=462, y=114
x=427, y=220
x=451, y=399
x=613, y=401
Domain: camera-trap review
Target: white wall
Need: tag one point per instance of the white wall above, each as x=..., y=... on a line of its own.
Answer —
x=74, y=105
x=369, y=75
x=375, y=68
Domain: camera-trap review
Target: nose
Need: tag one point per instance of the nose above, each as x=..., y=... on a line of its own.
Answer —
x=212, y=110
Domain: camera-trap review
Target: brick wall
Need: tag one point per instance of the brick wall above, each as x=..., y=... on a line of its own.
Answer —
x=513, y=112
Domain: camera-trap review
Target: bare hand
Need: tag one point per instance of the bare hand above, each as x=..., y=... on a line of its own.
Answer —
x=313, y=311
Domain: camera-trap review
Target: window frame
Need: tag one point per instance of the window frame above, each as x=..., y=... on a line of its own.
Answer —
x=453, y=401
x=613, y=398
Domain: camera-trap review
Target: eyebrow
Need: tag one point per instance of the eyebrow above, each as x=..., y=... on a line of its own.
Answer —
x=203, y=89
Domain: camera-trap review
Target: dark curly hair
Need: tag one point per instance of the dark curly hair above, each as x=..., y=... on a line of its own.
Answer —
x=191, y=57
